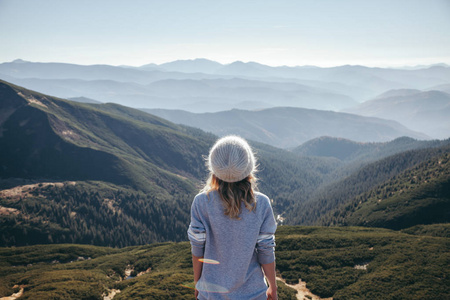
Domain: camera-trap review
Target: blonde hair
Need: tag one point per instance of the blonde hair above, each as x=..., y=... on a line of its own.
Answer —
x=232, y=193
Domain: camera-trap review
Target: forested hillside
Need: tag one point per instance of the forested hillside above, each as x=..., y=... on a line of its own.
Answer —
x=340, y=192
x=419, y=195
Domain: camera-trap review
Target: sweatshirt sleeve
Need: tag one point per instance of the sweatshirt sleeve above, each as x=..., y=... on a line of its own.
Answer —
x=266, y=240
x=196, y=231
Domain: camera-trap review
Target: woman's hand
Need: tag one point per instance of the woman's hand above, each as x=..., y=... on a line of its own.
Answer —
x=272, y=293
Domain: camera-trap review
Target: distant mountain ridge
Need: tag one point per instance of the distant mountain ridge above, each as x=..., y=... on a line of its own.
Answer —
x=289, y=126
x=347, y=150
x=427, y=111
x=333, y=88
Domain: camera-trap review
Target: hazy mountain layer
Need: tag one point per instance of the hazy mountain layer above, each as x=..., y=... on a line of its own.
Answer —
x=24, y=69
x=288, y=126
x=375, y=79
x=320, y=88
x=193, y=95
x=427, y=111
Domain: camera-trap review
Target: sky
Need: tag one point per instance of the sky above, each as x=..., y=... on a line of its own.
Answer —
x=296, y=32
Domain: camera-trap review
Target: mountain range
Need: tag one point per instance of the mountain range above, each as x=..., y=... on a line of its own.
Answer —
x=288, y=127
x=310, y=87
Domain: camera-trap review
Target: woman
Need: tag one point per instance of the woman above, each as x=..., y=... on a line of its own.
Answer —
x=232, y=228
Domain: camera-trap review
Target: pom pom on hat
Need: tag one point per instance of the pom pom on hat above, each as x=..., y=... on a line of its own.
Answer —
x=231, y=159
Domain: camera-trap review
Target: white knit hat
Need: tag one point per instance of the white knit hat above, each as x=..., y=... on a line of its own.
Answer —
x=231, y=159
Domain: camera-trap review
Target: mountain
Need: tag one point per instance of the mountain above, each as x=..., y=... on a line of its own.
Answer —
x=199, y=65
x=361, y=179
x=415, y=77
x=350, y=151
x=36, y=70
x=106, y=174
x=44, y=130
x=338, y=262
x=25, y=69
x=84, y=100
x=193, y=94
x=377, y=80
x=417, y=196
x=289, y=126
x=249, y=69
x=442, y=87
x=92, y=173
x=425, y=111
x=231, y=93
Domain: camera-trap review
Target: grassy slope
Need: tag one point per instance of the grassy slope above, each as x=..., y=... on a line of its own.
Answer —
x=145, y=146
x=400, y=266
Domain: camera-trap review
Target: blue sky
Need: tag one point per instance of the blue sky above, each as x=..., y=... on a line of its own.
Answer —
x=315, y=32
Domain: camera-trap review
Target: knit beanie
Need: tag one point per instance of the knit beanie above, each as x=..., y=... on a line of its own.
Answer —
x=231, y=159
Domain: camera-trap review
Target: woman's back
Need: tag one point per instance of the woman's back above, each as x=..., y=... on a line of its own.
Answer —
x=232, y=228
x=236, y=248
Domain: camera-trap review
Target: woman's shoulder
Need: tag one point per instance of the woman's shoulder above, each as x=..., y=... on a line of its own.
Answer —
x=203, y=196
x=262, y=199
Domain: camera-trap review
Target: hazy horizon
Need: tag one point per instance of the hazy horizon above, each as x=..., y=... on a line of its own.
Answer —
x=284, y=33
x=201, y=58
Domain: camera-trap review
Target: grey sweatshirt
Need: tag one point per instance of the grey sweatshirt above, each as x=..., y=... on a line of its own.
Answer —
x=233, y=250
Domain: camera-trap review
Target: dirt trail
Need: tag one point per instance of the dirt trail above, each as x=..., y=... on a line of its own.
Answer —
x=303, y=293
x=111, y=295
x=14, y=296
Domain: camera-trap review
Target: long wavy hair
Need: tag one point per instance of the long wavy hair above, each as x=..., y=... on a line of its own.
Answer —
x=232, y=193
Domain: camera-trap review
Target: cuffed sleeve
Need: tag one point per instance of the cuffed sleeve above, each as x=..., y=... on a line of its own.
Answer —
x=196, y=232
x=265, y=245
